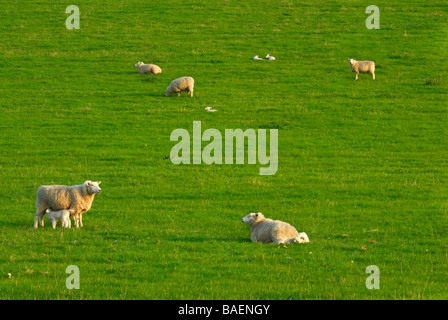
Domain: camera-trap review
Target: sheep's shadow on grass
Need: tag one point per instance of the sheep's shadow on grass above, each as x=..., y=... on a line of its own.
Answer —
x=200, y=239
x=20, y=225
x=152, y=79
x=133, y=94
x=123, y=72
x=156, y=94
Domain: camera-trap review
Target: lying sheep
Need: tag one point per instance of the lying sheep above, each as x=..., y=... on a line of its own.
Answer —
x=179, y=85
x=55, y=216
x=76, y=199
x=272, y=231
x=362, y=67
x=148, y=68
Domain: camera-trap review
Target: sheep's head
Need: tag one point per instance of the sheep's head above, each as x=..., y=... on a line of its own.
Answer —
x=168, y=91
x=138, y=64
x=92, y=187
x=351, y=61
x=252, y=217
x=302, y=238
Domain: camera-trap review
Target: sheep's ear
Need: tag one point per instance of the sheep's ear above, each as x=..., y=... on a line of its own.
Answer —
x=87, y=183
x=99, y=182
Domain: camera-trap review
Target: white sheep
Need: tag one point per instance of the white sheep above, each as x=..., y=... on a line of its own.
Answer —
x=256, y=58
x=270, y=57
x=362, y=67
x=272, y=231
x=148, y=68
x=181, y=84
x=76, y=199
x=55, y=216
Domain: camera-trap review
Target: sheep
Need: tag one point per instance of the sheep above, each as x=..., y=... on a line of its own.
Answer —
x=63, y=215
x=272, y=231
x=268, y=57
x=362, y=67
x=76, y=199
x=180, y=84
x=148, y=68
x=256, y=58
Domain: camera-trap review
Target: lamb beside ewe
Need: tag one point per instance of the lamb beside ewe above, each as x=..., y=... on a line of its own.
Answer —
x=55, y=216
x=180, y=84
x=148, y=68
x=272, y=231
x=76, y=199
x=362, y=67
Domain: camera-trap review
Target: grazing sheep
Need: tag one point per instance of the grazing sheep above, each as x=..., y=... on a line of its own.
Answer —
x=76, y=199
x=148, y=68
x=272, y=231
x=362, y=67
x=270, y=57
x=55, y=216
x=180, y=84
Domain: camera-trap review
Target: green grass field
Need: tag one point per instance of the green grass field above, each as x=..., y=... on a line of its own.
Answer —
x=362, y=164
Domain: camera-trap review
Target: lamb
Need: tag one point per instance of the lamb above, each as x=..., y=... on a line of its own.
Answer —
x=272, y=231
x=55, y=216
x=362, y=67
x=269, y=57
x=180, y=84
x=76, y=199
x=148, y=68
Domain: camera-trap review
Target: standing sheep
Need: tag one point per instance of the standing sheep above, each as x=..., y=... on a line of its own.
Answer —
x=76, y=199
x=181, y=84
x=148, y=68
x=272, y=231
x=55, y=216
x=362, y=67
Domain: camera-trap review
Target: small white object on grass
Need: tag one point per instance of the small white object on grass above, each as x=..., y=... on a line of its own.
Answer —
x=270, y=57
x=257, y=57
x=209, y=109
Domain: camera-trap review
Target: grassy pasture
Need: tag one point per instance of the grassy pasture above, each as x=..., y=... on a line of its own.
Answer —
x=362, y=164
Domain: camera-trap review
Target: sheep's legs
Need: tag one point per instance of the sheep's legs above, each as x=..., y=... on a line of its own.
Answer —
x=284, y=241
x=39, y=217
x=80, y=219
x=66, y=223
x=279, y=241
x=373, y=75
x=75, y=217
x=356, y=76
